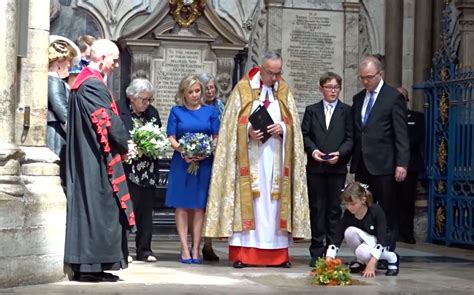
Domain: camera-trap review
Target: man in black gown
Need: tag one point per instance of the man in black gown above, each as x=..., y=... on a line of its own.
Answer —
x=98, y=203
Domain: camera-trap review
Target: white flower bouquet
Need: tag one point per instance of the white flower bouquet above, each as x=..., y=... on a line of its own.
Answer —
x=195, y=145
x=150, y=140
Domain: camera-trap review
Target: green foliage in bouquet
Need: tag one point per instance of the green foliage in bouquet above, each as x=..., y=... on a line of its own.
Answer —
x=150, y=139
x=331, y=272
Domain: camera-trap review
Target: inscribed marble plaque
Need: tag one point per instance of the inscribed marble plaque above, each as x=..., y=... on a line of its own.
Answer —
x=176, y=63
x=312, y=43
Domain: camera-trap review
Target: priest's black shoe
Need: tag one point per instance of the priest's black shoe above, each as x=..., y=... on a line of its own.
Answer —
x=313, y=261
x=239, y=264
x=286, y=264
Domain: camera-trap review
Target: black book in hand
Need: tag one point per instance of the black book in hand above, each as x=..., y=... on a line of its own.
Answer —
x=260, y=120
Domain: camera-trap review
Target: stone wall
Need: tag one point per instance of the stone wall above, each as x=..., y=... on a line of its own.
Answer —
x=32, y=201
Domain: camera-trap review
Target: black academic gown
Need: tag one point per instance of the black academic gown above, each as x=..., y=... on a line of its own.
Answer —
x=98, y=202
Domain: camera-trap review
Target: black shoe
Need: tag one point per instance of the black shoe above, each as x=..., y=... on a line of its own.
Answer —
x=108, y=277
x=208, y=254
x=382, y=264
x=239, y=264
x=313, y=261
x=356, y=267
x=86, y=277
x=94, y=277
x=285, y=265
x=410, y=240
x=394, y=272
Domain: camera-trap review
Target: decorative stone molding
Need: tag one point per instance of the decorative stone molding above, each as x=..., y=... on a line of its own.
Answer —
x=113, y=15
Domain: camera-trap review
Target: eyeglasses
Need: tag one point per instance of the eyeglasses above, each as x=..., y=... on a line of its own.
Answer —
x=332, y=87
x=149, y=99
x=368, y=77
x=271, y=74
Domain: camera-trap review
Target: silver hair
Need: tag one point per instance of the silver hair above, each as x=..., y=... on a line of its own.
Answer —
x=206, y=78
x=138, y=86
x=273, y=55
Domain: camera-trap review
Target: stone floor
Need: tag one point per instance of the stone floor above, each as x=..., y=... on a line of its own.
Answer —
x=425, y=269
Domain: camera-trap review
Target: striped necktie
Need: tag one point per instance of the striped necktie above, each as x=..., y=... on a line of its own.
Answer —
x=369, y=107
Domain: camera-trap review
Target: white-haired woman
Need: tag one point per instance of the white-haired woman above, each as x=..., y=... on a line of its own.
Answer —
x=142, y=173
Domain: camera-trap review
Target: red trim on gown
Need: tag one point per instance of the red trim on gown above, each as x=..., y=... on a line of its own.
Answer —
x=255, y=256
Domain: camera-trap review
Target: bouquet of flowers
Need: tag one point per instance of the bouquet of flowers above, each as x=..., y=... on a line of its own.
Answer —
x=151, y=141
x=195, y=145
x=331, y=272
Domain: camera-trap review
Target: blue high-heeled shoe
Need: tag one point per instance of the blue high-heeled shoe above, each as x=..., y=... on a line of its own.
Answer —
x=197, y=260
x=185, y=261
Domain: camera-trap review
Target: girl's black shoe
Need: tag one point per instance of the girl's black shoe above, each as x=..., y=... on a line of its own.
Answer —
x=394, y=272
x=356, y=267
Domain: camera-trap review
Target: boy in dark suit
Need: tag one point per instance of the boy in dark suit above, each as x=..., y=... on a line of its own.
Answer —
x=327, y=133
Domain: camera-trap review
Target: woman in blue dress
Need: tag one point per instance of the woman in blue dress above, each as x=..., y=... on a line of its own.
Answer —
x=186, y=192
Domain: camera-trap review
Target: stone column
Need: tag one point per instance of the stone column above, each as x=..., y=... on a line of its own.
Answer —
x=351, y=50
x=393, y=42
x=33, y=88
x=274, y=21
x=225, y=69
x=466, y=27
x=438, y=7
x=423, y=51
x=32, y=202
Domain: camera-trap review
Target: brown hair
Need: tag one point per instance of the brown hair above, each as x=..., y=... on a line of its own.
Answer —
x=356, y=191
x=60, y=50
x=84, y=41
x=328, y=76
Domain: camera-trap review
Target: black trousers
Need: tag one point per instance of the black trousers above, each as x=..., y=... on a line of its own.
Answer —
x=324, y=192
x=382, y=188
x=405, y=192
x=142, y=199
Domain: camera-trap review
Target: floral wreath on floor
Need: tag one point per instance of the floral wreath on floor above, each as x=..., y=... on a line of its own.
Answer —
x=330, y=272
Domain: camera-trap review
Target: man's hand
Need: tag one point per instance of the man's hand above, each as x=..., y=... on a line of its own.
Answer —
x=275, y=129
x=400, y=173
x=255, y=134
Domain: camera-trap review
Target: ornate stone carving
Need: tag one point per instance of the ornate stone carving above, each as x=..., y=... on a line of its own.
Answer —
x=257, y=38
x=186, y=12
x=113, y=15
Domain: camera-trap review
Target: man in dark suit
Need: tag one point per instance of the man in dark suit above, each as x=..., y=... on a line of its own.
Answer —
x=405, y=191
x=327, y=129
x=381, y=149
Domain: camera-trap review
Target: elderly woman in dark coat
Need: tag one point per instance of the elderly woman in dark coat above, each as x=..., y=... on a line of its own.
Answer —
x=142, y=173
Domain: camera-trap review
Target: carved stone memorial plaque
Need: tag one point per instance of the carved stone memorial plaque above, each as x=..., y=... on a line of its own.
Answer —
x=312, y=43
x=175, y=63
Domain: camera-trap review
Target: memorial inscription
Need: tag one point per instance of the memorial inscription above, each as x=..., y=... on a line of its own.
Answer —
x=177, y=63
x=312, y=46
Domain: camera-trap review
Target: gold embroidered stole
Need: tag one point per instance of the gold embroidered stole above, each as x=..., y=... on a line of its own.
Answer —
x=247, y=96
